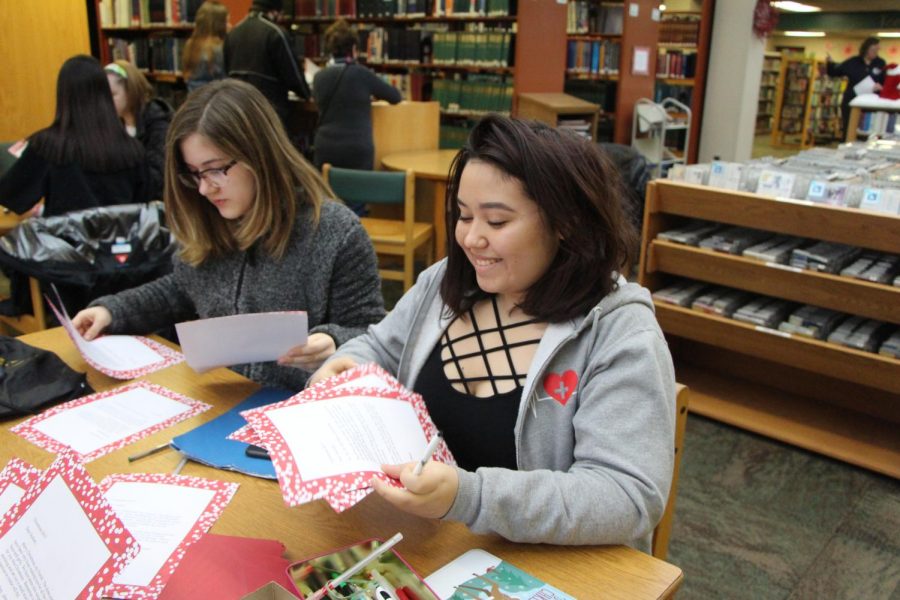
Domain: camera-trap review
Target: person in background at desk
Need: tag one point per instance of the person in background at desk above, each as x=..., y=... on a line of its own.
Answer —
x=257, y=51
x=256, y=234
x=865, y=64
x=545, y=370
x=84, y=159
x=202, y=60
x=343, y=94
x=145, y=117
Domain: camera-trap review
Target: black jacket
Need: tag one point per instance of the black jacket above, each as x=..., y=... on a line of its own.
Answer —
x=855, y=70
x=68, y=187
x=257, y=51
x=152, y=127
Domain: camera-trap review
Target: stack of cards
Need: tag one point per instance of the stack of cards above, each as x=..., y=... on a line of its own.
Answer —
x=64, y=536
x=329, y=441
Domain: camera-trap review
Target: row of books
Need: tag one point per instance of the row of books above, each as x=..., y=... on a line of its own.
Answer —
x=404, y=8
x=597, y=57
x=676, y=64
x=476, y=94
x=136, y=13
x=411, y=85
x=476, y=48
x=797, y=252
x=454, y=136
x=589, y=17
x=682, y=30
x=804, y=320
x=156, y=54
x=878, y=123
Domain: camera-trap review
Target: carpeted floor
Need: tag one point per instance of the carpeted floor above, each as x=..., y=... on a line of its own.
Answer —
x=759, y=519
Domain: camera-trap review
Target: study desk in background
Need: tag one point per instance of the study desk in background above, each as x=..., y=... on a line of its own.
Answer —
x=258, y=509
x=431, y=168
x=867, y=102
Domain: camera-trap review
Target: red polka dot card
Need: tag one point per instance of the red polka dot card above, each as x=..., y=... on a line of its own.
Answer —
x=331, y=442
x=119, y=356
x=15, y=479
x=94, y=425
x=62, y=539
x=166, y=514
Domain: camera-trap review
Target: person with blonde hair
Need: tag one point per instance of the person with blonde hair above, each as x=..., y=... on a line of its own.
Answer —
x=257, y=233
x=202, y=60
x=144, y=116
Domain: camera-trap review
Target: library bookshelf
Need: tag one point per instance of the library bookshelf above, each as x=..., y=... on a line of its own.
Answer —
x=821, y=396
x=768, y=91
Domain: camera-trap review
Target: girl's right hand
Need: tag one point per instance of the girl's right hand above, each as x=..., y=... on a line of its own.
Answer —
x=332, y=368
x=92, y=321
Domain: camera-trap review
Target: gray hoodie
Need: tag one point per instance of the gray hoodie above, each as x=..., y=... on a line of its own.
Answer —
x=595, y=433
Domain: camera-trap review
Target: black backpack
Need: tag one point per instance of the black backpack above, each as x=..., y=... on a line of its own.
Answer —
x=32, y=378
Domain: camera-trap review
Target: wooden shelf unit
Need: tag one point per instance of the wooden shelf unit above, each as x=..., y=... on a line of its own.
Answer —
x=818, y=395
x=548, y=108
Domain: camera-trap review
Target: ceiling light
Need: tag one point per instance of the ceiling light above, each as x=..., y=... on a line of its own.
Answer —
x=790, y=6
x=804, y=33
x=662, y=7
x=890, y=34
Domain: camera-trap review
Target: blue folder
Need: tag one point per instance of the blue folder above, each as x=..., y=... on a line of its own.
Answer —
x=207, y=444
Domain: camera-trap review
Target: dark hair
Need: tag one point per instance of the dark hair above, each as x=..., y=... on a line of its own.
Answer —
x=86, y=129
x=340, y=39
x=579, y=195
x=868, y=43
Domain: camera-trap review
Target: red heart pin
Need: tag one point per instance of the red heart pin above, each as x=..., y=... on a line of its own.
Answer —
x=561, y=387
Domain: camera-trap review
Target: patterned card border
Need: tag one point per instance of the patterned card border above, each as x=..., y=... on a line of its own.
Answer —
x=344, y=490
x=224, y=492
x=118, y=540
x=168, y=356
x=27, y=428
x=19, y=473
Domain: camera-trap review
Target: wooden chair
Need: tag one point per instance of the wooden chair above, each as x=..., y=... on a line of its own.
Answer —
x=664, y=529
x=390, y=237
x=29, y=323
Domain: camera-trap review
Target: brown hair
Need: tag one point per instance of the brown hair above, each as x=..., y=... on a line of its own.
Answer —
x=210, y=27
x=238, y=119
x=867, y=43
x=138, y=90
x=340, y=39
x=579, y=195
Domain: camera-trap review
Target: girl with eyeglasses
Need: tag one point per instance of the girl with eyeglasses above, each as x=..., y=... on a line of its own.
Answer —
x=257, y=233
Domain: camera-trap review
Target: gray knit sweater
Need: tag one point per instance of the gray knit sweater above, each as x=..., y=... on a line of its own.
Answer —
x=331, y=272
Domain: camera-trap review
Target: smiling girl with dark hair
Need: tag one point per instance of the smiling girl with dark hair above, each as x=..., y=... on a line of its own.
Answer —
x=544, y=369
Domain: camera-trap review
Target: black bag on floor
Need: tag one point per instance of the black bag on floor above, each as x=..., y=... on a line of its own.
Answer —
x=32, y=378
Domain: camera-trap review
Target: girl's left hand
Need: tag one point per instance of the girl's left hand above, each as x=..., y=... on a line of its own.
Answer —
x=429, y=494
x=319, y=346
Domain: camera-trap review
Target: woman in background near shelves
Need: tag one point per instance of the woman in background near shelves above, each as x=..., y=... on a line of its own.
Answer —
x=145, y=117
x=545, y=370
x=343, y=93
x=84, y=159
x=256, y=232
x=865, y=64
x=202, y=60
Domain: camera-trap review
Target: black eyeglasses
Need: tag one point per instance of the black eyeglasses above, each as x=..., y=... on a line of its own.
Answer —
x=216, y=176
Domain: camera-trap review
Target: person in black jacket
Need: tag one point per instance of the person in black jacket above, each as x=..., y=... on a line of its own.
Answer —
x=145, y=117
x=343, y=92
x=84, y=159
x=257, y=51
x=865, y=64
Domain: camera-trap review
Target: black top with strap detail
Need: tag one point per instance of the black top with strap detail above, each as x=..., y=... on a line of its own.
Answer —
x=480, y=431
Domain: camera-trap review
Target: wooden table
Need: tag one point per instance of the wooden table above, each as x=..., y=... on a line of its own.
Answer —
x=258, y=509
x=432, y=169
